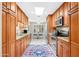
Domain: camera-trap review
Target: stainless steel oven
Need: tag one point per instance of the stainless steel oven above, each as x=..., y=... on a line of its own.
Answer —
x=63, y=31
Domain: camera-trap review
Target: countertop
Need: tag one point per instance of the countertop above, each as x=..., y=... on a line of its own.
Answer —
x=21, y=36
x=64, y=38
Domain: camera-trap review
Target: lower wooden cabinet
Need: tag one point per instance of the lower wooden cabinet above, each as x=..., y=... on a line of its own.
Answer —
x=63, y=48
x=21, y=45
x=18, y=48
x=66, y=49
x=74, y=50
x=60, y=49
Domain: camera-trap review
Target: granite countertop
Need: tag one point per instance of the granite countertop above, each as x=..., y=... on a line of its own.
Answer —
x=64, y=38
x=21, y=36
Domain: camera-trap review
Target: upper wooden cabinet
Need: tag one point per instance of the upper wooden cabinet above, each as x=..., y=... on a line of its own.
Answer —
x=62, y=10
x=4, y=4
x=21, y=17
x=58, y=13
x=13, y=6
x=49, y=19
x=9, y=5
x=19, y=13
x=74, y=4
x=66, y=16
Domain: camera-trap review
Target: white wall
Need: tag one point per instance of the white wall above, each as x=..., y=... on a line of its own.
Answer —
x=0, y=29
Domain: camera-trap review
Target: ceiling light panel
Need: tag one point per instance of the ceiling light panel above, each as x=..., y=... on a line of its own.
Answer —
x=39, y=10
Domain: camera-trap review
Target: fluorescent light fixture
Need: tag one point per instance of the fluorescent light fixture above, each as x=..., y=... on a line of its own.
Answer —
x=39, y=10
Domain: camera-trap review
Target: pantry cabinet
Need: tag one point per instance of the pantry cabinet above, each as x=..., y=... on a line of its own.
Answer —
x=74, y=29
x=11, y=32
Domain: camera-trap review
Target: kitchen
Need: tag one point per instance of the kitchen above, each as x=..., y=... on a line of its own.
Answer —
x=61, y=29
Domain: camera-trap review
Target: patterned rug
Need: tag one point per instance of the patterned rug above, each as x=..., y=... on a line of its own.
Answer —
x=38, y=51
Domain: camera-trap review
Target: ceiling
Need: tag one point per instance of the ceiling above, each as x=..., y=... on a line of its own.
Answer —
x=48, y=8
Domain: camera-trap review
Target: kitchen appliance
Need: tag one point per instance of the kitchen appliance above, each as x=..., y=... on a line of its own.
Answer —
x=63, y=31
x=60, y=21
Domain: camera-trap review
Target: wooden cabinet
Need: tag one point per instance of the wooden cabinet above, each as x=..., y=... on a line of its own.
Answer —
x=66, y=49
x=4, y=33
x=11, y=32
x=63, y=48
x=49, y=19
x=60, y=49
x=74, y=28
x=62, y=10
x=13, y=6
x=4, y=3
x=18, y=48
x=74, y=13
x=21, y=17
x=74, y=4
x=66, y=16
x=74, y=50
x=53, y=20
x=21, y=45
x=9, y=5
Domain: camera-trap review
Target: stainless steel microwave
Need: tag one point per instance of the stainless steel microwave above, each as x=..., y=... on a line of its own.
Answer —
x=60, y=21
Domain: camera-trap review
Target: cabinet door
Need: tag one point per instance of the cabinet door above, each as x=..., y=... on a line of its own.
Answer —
x=49, y=23
x=74, y=4
x=4, y=4
x=22, y=43
x=62, y=10
x=11, y=25
x=58, y=13
x=74, y=50
x=66, y=16
x=60, y=49
x=18, y=48
x=4, y=27
x=19, y=14
x=74, y=28
x=54, y=20
x=13, y=35
x=66, y=49
x=9, y=5
x=13, y=6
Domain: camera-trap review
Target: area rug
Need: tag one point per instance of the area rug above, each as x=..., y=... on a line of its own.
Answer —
x=38, y=51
